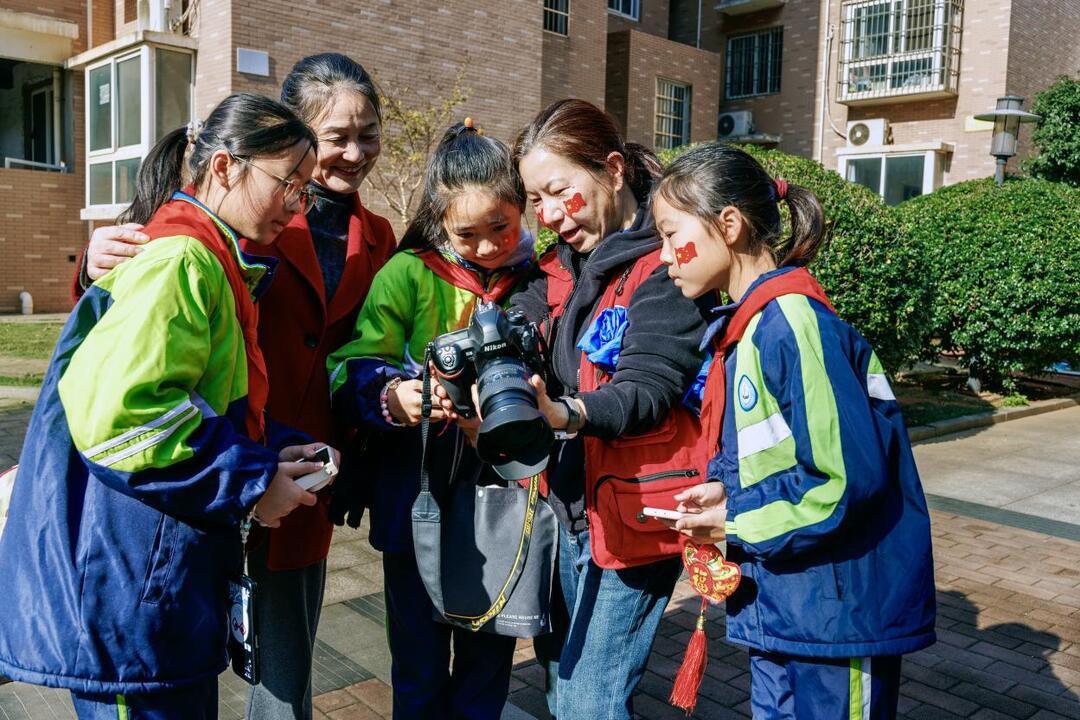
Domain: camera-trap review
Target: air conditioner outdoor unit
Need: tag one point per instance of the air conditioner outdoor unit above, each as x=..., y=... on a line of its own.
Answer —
x=861, y=133
x=735, y=124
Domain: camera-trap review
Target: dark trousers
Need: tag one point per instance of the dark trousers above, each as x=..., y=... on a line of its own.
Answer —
x=193, y=702
x=784, y=687
x=426, y=687
x=288, y=603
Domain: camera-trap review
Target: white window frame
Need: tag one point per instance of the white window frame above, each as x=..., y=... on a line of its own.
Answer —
x=933, y=167
x=635, y=10
x=147, y=121
x=687, y=117
x=896, y=53
x=565, y=14
x=776, y=32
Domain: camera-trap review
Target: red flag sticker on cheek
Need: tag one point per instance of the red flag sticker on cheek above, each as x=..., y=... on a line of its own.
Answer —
x=540, y=216
x=574, y=204
x=686, y=253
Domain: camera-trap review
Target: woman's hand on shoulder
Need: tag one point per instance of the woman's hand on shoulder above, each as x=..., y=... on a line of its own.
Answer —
x=111, y=246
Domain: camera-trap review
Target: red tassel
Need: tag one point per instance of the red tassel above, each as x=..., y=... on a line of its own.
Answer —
x=688, y=680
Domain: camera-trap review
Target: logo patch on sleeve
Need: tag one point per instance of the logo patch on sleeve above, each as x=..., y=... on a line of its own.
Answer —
x=748, y=394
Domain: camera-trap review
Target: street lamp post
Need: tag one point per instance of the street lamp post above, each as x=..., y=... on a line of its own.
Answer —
x=1006, y=118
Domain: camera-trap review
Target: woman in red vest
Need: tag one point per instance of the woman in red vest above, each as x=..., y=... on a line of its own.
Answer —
x=328, y=259
x=623, y=348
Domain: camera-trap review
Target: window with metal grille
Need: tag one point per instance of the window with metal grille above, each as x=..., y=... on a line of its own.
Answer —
x=626, y=8
x=557, y=16
x=753, y=63
x=899, y=47
x=672, y=114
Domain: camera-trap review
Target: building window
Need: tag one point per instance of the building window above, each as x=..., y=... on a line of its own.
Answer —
x=626, y=8
x=557, y=16
x=895, y=178
x=32, y=116
x=133, y=99
x=672, y=114
x=899, y=47
x=754, y=63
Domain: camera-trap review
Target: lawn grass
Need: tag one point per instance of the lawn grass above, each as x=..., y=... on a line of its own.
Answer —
x=29, y=340
x=28, y=380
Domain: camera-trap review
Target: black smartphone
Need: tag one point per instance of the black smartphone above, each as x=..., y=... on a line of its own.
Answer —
x=243, y=629
x=322, y=455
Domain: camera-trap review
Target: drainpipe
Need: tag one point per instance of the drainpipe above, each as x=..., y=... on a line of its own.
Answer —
x=57, y=128
x=26, y=302
x=827, y=18
x=698, y=44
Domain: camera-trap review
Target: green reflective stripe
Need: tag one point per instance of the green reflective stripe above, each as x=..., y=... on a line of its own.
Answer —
x=855, y=690
x=768, y=458
x=874, y=367
x=823, y=428
x=121, y=708
x=877, y=382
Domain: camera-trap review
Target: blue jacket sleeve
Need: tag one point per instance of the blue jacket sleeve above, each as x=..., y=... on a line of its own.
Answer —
x=810, y=458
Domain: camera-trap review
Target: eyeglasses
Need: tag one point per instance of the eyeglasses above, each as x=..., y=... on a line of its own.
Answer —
x=302, y=195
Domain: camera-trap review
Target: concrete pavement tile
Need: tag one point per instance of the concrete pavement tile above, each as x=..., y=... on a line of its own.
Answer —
x=985, y=485
x=1058, y=503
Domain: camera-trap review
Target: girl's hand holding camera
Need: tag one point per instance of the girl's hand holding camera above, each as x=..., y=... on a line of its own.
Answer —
x=283, y=495
x=405, y=402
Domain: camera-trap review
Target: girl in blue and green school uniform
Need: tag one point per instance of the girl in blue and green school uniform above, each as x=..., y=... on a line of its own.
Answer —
x=814, y=486
x=465, y=244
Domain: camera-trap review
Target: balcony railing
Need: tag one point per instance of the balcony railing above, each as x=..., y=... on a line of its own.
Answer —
x=899, y=48
x=741, y=7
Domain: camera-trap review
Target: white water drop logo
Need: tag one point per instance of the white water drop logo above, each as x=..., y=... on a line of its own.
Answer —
x=748, y=394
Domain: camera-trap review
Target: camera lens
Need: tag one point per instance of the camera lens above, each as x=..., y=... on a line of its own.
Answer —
x=515, y=437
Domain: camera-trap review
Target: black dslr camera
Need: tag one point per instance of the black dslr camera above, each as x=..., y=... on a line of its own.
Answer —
x=498, y=351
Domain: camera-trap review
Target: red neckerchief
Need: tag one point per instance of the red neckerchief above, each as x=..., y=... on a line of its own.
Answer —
x=714, y=397
x=181, y=217
x=466, y=279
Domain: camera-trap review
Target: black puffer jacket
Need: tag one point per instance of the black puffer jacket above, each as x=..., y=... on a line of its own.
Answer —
x=658, y=360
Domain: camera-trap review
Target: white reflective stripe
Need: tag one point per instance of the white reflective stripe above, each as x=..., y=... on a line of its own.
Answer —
x=148, y=442
x=204, y=407
x=866, y=687
x=877, y=385
x=763, y=435
x=136, y=432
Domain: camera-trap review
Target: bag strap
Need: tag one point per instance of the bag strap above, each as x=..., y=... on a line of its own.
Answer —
x=427, y=529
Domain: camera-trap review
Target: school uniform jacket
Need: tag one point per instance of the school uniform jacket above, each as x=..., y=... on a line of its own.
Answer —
x=826, y=513
x=141, y=461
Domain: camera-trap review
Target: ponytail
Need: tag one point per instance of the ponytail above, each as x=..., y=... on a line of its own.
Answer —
x=244, y=125
x=807, y=229
x=710, y=177
x=160, y=175
x=642, y=169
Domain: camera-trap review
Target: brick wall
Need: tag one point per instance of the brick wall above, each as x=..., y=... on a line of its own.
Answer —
x=70, y=10
x=790, y=113
x=640, y=59
x=652, y=19
x=104, y=21
x=415, y=45
x=1042, y=46
x=215, y=60
x=984, y=56
x=574, y=65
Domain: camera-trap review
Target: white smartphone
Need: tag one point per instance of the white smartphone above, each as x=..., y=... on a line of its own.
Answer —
x=313, y=482
x=661, y=513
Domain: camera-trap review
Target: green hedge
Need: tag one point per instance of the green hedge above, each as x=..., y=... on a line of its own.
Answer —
x=1007, y=267
x=876, y=276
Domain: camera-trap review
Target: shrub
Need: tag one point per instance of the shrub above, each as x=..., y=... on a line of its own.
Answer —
x=1057, y=134
x=876, y=276
x=1007, y=270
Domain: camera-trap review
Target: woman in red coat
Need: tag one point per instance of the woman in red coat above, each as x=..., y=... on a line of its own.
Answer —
x=328, y=260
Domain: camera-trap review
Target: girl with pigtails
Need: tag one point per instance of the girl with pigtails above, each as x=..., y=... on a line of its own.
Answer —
x=814, y=486
x=464, y=244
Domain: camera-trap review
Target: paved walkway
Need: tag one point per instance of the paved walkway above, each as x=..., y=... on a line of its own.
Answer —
x=1006, y=528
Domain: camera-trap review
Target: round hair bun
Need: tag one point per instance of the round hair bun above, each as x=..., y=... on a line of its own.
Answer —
x=468, y=123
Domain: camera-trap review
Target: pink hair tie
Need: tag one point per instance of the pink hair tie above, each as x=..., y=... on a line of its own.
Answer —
x=781, y=189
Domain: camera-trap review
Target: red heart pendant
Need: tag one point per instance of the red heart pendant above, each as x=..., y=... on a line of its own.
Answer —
x=711, y=576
